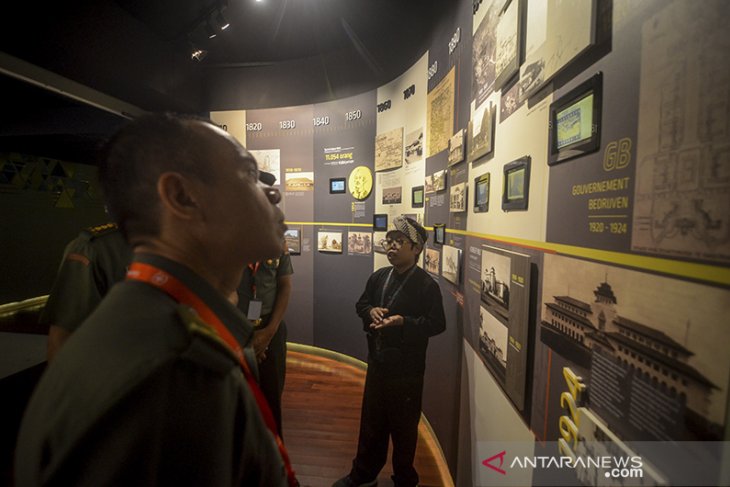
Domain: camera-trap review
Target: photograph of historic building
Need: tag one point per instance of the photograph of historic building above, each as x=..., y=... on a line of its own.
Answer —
x=648, y=356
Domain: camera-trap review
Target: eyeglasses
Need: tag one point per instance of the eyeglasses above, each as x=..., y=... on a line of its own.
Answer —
x=395, y=244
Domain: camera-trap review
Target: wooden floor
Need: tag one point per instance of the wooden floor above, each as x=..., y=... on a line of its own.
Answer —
x=321, y=417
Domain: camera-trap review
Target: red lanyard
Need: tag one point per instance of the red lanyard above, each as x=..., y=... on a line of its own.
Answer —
x=254, y=269
x=177, y=290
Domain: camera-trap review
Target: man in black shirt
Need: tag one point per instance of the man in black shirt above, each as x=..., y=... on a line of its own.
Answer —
x=401, y=309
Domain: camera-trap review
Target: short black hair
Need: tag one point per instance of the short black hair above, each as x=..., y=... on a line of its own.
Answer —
x=137, y=155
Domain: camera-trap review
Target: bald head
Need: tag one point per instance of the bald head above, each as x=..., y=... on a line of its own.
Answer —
x=136, y=157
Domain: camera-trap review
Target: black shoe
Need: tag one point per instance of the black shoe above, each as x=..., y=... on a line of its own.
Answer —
x=348, y=482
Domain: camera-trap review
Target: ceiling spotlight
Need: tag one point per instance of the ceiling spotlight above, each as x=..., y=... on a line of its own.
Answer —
x=209, y=30
x=198, y=54
x=222, y=22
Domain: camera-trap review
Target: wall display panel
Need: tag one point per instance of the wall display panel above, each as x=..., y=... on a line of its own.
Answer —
x=557, y=31
x=590, y=200
x=508, y=39
x=440, y=114
x=233, y=122
x=531, y=223
x=484, y=46
x=402, y=104
x=289, y=131
x=343, y=133
x=682, y=191
x=649, y=352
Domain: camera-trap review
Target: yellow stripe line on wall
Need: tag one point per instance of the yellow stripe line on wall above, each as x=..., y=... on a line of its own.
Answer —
x=689, y=270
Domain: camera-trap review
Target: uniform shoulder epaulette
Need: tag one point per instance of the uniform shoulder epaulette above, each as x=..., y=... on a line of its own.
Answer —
x=99, y=230
x=210, y=355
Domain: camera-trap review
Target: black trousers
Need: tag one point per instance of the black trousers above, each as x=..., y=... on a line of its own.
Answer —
x=272, y=373
x=391, y=408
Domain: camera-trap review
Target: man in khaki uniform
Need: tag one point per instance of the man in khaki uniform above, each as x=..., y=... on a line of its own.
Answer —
x=156, y=387
x=92, y=263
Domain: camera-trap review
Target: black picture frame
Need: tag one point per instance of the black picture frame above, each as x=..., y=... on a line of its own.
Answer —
x=481, y=193
x=516, y=187
x=380, y=222
x=338, y=185
x=568, y=127
x=417, y=197
x=439, y=233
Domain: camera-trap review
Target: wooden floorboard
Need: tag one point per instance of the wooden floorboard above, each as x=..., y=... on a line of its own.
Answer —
x=321, y=418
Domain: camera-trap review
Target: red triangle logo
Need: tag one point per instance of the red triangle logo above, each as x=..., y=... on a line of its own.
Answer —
x=488, y=462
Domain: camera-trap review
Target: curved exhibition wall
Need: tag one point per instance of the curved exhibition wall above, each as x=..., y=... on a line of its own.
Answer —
x=571, y=160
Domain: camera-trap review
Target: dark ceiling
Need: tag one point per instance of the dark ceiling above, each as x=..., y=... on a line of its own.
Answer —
x=139, y=51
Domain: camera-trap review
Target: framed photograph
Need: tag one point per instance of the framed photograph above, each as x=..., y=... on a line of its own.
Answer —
x=432, y=261
x=329, y=242
x=414, y=146
x=575, y=121
x=481, y=193
x=439, y=233
x=456, y=148
x=293, y=238
x=299, y=181
x=508, y=38
x=359, y=243
x=417, y=197
x=439, y=180
x=516, y=190
x=338, y=185
x=380, y=222
x=481, y=133
x=377, y=238
x=392, y=196
x=457, y=198
x=389, y=150
x=451, y=264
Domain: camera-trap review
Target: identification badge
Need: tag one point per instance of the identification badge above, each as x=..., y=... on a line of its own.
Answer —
x=254, y=309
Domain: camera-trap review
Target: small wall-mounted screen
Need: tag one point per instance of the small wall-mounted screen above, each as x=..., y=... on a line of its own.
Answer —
x=516, y=184
x=380, y=222
x=575, y=123
x=337, y=185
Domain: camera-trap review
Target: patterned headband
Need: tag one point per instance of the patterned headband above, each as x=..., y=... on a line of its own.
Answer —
x=410, y=229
